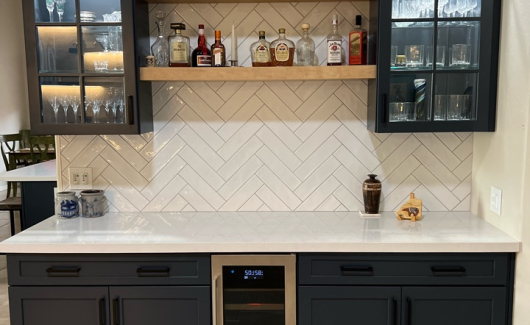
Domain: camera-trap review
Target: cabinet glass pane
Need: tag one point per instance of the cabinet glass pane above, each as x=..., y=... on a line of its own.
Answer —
x=104, y=100
x=461, y=43
x=412, y=9
x=410, y=97
x=100, y=11
x=411, y=45
x=459, y=8
x=103, y=49
x=50, y=11
x=455, y=96
x=60, y=101
x=57, y=49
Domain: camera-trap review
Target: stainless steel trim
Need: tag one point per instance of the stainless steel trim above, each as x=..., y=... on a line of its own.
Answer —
x=288, y=261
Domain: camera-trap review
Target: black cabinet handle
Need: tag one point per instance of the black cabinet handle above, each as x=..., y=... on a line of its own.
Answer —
x=448, y=270
x=392, y=310
x=356, y=270
x=409, y=311
x=130, y=110
x=63, y=271
x=385, y=108
x=102, y=311
x=116, y=310
x=153, y=272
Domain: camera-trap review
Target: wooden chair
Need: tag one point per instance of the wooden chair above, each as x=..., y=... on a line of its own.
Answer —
x=12, y=203
x=42, y=149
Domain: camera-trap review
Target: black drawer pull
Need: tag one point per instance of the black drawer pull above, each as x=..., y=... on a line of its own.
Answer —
x=63, y=271
x=448, y=271
x=356, y=270
x=153, y=272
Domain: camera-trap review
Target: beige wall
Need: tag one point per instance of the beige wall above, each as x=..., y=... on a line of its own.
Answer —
x=13, y=82
x=502, y=159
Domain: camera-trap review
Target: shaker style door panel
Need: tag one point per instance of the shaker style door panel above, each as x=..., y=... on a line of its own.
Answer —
x=58, y=306
x=161, y=305
x=455, y=306
x=348, y=305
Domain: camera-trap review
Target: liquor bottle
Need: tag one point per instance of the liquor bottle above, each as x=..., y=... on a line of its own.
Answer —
x=201, y=56
x=282, y=50
x=305, y=48
x=218, y=51
x=260, y=52
x=358, y=40
x=335, y=44
x=160, y=48
x=179, y=45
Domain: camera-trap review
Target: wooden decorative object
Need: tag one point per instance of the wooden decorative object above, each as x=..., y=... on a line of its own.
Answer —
x=412, y=210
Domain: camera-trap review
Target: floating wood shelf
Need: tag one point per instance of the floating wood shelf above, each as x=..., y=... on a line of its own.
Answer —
x=262, y=74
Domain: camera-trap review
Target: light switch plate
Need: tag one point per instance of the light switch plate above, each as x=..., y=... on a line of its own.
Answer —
x=80, y=178
x=496, y=200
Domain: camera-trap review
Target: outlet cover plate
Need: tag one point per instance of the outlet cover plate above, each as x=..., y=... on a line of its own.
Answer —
x=496, y=200
x=80, y=178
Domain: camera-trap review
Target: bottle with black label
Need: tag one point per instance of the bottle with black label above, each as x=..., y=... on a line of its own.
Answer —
x=179, y=47
x=218, y=51
x=335, y=43
x=201, y=56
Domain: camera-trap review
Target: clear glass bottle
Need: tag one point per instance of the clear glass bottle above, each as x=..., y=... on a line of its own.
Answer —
x=179, y=47
x=260, y=52
x=335, y=43
x=282, y=50
x=160, y=48
x=305, y=48
x=358, y=40
x=201, y=56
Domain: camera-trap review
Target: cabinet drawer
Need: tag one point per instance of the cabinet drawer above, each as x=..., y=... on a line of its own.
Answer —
x=109, y=269
x=403, y=269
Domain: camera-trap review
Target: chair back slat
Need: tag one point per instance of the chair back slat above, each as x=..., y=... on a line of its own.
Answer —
x=9, y=143
x=42, y=145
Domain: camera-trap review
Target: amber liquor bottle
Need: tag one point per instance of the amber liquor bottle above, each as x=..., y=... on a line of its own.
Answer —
x=201, y=56
x=358, y=44
x=218, y=51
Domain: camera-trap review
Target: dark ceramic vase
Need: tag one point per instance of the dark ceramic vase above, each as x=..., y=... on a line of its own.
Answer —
x=372, y=194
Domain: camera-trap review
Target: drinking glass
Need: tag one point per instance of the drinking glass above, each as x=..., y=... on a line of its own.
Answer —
x=396, y=10
x=96, y=107
x=50, y=5
x=393, y=55
x=103, y=40
x=414, y=55
x=400, y=112
x=108, y=102
x=63, y=100
x=74, y=102
x=101, y=64
x=409, y=9
x=455, y=107
x=441, y=5
x=471, y=5
x=451, y=8
x=440, y=56
x=60, y=8
x=426, y=5
x=54, y=102
x=460, y=55
x=440, y=107
x=461, y=7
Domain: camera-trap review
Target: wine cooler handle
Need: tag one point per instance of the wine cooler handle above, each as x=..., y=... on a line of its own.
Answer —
x=214, y=301
x=130, y=110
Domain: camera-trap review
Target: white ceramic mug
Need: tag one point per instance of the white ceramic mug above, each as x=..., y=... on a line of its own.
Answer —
x=93, y=203
x=67, y=205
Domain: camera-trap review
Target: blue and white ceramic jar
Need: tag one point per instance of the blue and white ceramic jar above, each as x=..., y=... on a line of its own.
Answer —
x=67, y=205
x=93, y=203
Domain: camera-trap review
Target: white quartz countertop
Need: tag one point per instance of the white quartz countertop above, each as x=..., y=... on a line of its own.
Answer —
x=43, y=172
x=268, y=232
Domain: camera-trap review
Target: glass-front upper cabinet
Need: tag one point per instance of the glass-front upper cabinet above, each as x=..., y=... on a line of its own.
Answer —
x=83, y=60
x=437, y=65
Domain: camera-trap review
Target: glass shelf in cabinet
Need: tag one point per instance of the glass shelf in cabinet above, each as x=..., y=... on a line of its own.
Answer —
x=423, y=69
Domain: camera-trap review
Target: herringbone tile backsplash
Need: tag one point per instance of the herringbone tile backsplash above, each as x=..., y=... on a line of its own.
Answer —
x=269, y=146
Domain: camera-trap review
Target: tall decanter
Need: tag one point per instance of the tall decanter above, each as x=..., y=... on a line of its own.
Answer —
x=305, y=48
x=160, y=48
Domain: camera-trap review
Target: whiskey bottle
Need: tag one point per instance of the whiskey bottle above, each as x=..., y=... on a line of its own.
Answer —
x=201, y=56
x=358, y=41
x=218, y=51
x=305, y=48
x=335, y=43
x=282, y=50
x=260, y=52
x=179, y=47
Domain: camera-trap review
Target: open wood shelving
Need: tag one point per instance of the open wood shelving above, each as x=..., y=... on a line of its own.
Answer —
x=258, y=74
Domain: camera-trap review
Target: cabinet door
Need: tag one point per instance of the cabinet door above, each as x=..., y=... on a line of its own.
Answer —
x=348, y=305
x=161, y=305
x=454, y=305
x=58, y=305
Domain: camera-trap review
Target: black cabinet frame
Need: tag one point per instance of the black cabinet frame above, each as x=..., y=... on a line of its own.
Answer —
x=380, y=36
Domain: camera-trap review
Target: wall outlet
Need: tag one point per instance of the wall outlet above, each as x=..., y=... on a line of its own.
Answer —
x=80, y=178
x=496, y=200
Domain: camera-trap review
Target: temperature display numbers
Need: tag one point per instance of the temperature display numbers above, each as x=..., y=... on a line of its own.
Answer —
x=253, y=274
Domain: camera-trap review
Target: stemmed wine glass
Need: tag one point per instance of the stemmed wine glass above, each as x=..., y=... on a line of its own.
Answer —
x=96, y=108
x=63, y=100
x=74, y=102
x=451, y=8
x=441, y=5
x=461, y=7
x=103, y=40
x=50, y=5
x=426, y=5
x=109, y=101
x=54, y=102
x=471, y=5
x=60, y=8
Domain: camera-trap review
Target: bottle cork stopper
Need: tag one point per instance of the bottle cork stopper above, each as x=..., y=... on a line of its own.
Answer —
x=281, y=30
x=305, y=26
